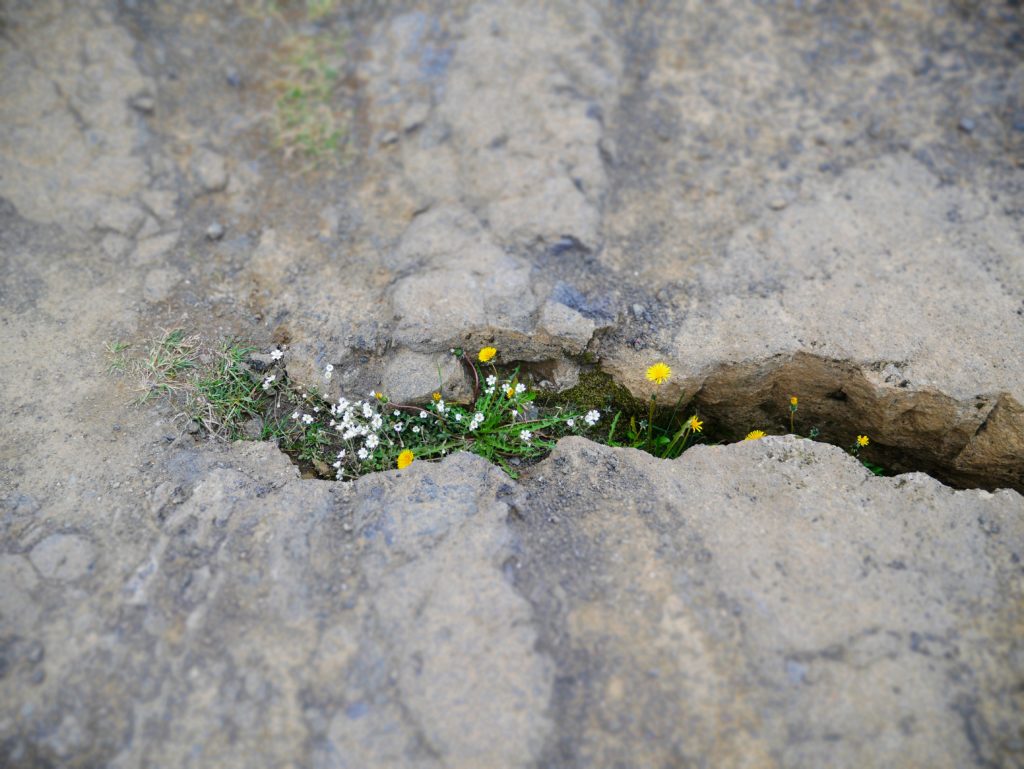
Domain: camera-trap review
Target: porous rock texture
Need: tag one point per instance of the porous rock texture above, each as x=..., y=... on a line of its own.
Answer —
x=814, y=199
x=761, y=604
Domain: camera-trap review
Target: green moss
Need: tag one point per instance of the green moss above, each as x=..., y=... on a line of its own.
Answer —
x=595, y=390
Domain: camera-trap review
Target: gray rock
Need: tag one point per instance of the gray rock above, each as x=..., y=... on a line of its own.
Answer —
x=215, y=231
x=210, y=170
x=765, y=601
x=814, y=301
x=770, y=603
x=121, y=217
x=144, y=103
x=63, y=557
x=411, y=377
x=69, y=143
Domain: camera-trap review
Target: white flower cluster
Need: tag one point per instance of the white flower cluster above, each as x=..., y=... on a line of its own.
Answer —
x=268, y=381
x=592, y=417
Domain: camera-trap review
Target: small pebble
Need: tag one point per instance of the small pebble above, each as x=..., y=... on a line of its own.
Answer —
x=233, y=78
x=144, y=103
x=639, y=311
x=966, y=125
x=215, y=231
x=777, y=204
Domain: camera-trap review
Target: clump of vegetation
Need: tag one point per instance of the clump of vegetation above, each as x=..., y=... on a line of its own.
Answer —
x=311, y=121
x=162, y=370
x=245, y=395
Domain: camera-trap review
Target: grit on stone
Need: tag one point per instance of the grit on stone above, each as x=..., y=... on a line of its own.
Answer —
x=821, y=199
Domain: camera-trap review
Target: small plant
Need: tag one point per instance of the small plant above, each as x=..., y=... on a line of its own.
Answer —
x=861, y=442
x=117, y=361
x=308, y=120
x=239, y=394
x=667, y=438
x=164, y=369
x=224, y=399
x=499, y=423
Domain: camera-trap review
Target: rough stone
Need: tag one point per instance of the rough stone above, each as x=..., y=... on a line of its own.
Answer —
x=122, y=218
x=767, y=602
x=169, y=600
x=812, y=301
x=210, y=169
x=63, y=557
x=67, y=143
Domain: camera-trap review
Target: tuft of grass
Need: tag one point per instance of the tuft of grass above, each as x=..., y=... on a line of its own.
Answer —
x=167, y=362
x=227, y=397
x=117, y=361
x=309, y=120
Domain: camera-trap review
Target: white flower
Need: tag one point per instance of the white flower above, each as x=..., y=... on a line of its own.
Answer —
x=415, y=428
x=491, y=380
x=341, y=454
x=362, y=453
x=372, y=441
x=458, y=417
x=592, y=417
x=328, y=371
x=520, y=388
x=489, y=391
x=307, y=419
x=367, y=410
x=376, y=422
x=276, y=355
x=478, y=416
x=267, y=381
x=342, y=404
x=397, y=413
x=316, y=409
x=337, y=464
x=398, y=427
x=526, y=435
x=570, y=422
x=295, y=415
x=440, y=406
x=423, y=415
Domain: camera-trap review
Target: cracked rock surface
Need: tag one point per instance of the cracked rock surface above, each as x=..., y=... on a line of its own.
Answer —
x=821, y=199
x=761, y=604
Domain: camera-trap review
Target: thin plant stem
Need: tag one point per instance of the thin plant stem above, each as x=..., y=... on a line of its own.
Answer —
x=650, y=421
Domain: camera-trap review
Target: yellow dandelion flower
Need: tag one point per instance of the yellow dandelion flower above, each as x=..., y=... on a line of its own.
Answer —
x=436, y=397
x=659, y=373
x=793, y=401
x=695, y=424
x=486, y=354
x=405, y=459
x=754, y=435
x=862, y=440
x=509, y=392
